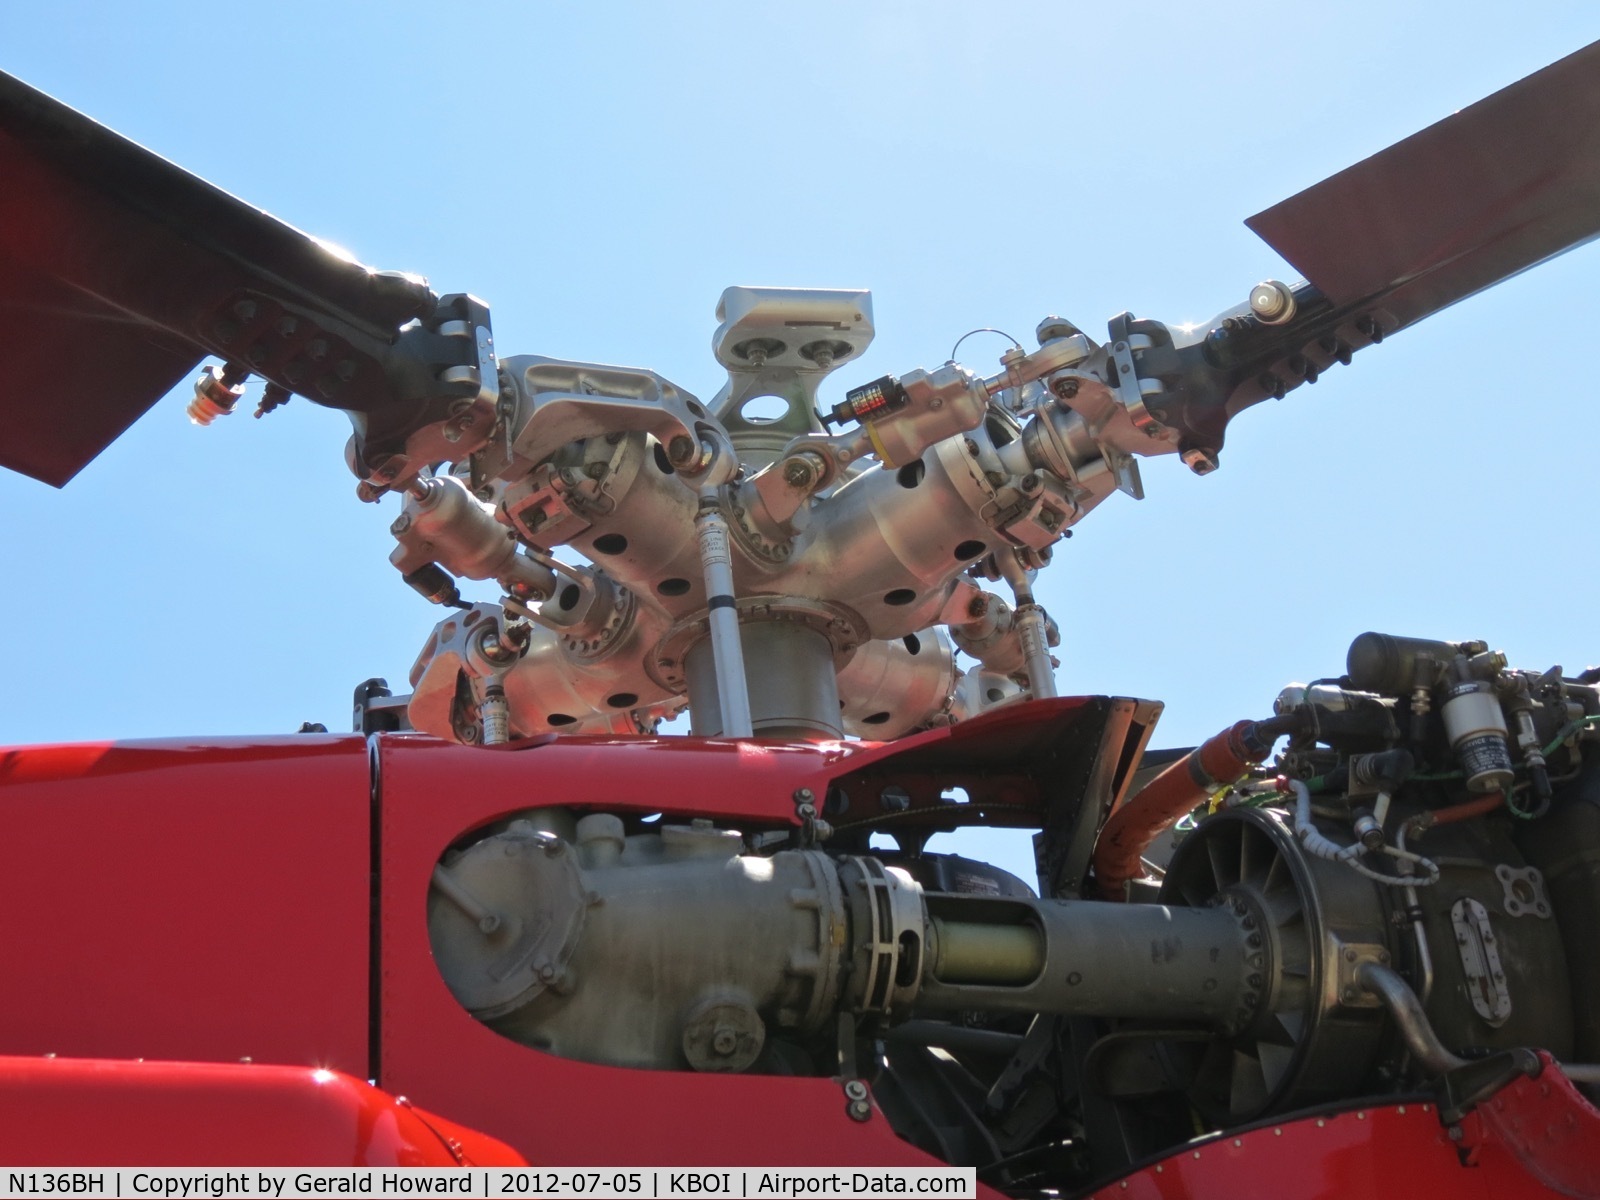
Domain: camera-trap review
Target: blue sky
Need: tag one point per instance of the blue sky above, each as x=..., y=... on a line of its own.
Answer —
x=601, y=172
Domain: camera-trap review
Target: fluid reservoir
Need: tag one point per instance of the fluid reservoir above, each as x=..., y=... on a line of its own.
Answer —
x=1477, y=730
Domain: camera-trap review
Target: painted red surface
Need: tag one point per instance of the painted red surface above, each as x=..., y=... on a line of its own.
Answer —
x=187, y=900
x=1534, y=1138
x=211, y=901
x=1543, y=1126
x=95, y=1112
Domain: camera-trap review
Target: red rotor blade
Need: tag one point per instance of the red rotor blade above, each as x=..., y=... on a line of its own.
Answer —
x=119, y=272
x=1487, y=192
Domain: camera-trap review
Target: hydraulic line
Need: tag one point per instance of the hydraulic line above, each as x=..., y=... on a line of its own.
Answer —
x=1409, y=1017
x=1464, y=811
x=1413, y=912
x=1173, y=794
x=1323, y=847
x=1419, y=825
x=1417, y=1032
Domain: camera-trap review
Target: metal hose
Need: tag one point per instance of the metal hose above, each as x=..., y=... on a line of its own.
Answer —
x=1409, y=1018
x=1173, y=794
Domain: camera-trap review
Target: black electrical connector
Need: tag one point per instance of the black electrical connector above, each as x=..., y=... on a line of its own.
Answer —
x=434, y=584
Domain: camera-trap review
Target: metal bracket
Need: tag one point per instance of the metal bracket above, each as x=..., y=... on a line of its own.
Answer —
x=1348, y=958
x=1524, y=891
x=1464, y=1088
x=1129, y=392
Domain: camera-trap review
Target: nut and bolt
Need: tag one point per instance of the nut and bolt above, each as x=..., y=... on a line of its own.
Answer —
x=724, y=1041
x=798, y=473
x=859, y=1107
x=681, y=450
x=1272, y=302
x=1201, y=462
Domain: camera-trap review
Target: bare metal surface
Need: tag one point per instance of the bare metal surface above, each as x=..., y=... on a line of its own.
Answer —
x=676, y=503
x=1409, y=1018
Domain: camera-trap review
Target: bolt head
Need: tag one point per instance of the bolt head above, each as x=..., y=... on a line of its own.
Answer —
x=797, y=474
x=856, y=1090
x=680, y=450
x=1201, y=462
x=724, y=1041
x=1272, y=302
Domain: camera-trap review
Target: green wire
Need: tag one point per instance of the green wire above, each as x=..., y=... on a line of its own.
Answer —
x=1568, y=730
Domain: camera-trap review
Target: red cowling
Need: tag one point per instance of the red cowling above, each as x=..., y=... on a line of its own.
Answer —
x=117, y=1113
x=267, y=899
